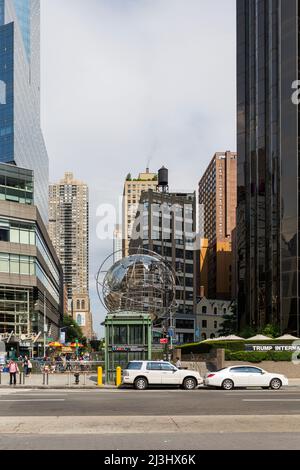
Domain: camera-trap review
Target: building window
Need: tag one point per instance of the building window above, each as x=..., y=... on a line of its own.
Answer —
x=224, y=310
x=78, y=304
x=82, y=305
x=203, y=336
x=204, y=323
x=204, y=309
x=212, y=336
x=215, y=324
x=215, y=311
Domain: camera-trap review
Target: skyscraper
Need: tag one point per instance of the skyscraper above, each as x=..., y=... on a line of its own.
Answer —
x=69, y=232
x=268, y=164
x=117, y=243
x=21, y=139
x=217, y=195
x=165, y=223
x=132, y=192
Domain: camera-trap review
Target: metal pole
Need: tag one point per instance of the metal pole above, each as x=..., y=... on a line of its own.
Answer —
x=45, y=325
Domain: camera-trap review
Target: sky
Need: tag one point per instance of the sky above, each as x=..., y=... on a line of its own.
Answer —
x=131, y=83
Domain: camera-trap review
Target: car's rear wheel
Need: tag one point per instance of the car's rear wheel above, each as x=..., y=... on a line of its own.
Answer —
x=275, y=384
x=227, y=384
x=189, y=383
x=140, y=383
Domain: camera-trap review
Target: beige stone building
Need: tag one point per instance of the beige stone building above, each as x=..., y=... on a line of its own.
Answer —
x=69, y=232
x=81, y=313
x=133, y=189
x=218, y=195
x=209, y=317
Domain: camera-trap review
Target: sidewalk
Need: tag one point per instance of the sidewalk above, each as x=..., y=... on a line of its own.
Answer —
x=86, y=381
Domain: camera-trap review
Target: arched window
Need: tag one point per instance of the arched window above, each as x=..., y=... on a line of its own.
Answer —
x=204, y=309
x=215, y=310
x=203, y=336
x=79, y=319
x=82, y=305
x=78, y=304
x=212, y=336
x=224, y=310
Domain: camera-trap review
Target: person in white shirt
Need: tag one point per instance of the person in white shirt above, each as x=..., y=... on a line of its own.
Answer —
x=178, y=363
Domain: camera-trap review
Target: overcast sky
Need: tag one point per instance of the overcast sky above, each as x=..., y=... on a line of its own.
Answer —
x=125, y=82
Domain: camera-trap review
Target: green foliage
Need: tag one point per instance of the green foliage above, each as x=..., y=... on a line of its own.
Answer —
x=248, y=332
x=128, y=177
x=270, y=330
x=229, y=325
x=258, y=356
x=97, y=344
x=73, y=330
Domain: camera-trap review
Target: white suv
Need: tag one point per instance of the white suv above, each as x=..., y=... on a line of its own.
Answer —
x=141, y=374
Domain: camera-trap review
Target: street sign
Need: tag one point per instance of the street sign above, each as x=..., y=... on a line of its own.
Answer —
x=164, y=341
x=171, y=332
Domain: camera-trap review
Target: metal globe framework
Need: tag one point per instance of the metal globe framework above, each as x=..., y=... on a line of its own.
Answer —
x=141, y=282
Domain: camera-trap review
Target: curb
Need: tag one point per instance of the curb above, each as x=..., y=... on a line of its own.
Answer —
x=57, y=387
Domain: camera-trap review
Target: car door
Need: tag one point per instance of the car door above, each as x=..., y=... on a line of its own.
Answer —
x=240, y=376
x=170, y=375
x=257, y=377
x=153, y=373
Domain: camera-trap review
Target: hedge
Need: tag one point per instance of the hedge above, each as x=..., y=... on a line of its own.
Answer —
x=255, y=356
x=233, y=345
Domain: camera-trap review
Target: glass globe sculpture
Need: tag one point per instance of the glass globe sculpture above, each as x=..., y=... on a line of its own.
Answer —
x=141, y=282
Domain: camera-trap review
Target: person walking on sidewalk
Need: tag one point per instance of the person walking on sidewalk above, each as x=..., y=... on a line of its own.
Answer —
x=29, y=367
x=25, y=365
x=13, y=370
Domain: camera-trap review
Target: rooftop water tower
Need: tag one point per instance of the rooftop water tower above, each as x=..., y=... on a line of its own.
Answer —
x=163, y=180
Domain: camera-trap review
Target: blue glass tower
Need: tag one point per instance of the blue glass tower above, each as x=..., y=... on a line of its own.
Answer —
x=21, y=139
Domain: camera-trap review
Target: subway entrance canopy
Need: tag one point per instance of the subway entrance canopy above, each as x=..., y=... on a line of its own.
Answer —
x=128, y=337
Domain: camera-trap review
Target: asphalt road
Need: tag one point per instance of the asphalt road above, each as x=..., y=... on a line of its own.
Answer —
x=150, y=420
x=148, y=403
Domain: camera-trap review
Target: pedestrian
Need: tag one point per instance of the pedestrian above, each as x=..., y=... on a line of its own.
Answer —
x=13, y=370
x=29, y=367
x=25, y=365
x=178, y=363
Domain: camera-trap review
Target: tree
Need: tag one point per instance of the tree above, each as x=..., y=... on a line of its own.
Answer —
x=229, y=325
x=271, y=330
x=128, y=177
x=247, y=332
x=97, y=344
x=73, y=330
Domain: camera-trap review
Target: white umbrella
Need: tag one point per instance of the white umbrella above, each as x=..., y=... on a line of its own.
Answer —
x=233, y=337
x=259, y=338
x=287, y=337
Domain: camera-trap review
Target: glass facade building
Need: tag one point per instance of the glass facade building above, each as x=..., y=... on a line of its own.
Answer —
x=268, y=164
x=21, y=139
x=31, y=278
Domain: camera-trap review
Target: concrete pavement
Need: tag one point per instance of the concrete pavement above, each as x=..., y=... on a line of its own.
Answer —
x=168, y=441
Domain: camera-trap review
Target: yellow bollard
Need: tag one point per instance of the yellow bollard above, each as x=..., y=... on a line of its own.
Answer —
x=100, y=377
x=118, y=376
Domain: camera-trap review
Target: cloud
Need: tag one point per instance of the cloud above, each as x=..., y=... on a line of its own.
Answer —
x=128, y=80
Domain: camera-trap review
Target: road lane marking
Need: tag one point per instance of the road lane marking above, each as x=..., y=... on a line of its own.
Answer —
x=30, y=400
x=272, y=399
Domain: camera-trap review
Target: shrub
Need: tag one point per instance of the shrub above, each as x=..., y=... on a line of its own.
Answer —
x=258, y=356
x=234, y=346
